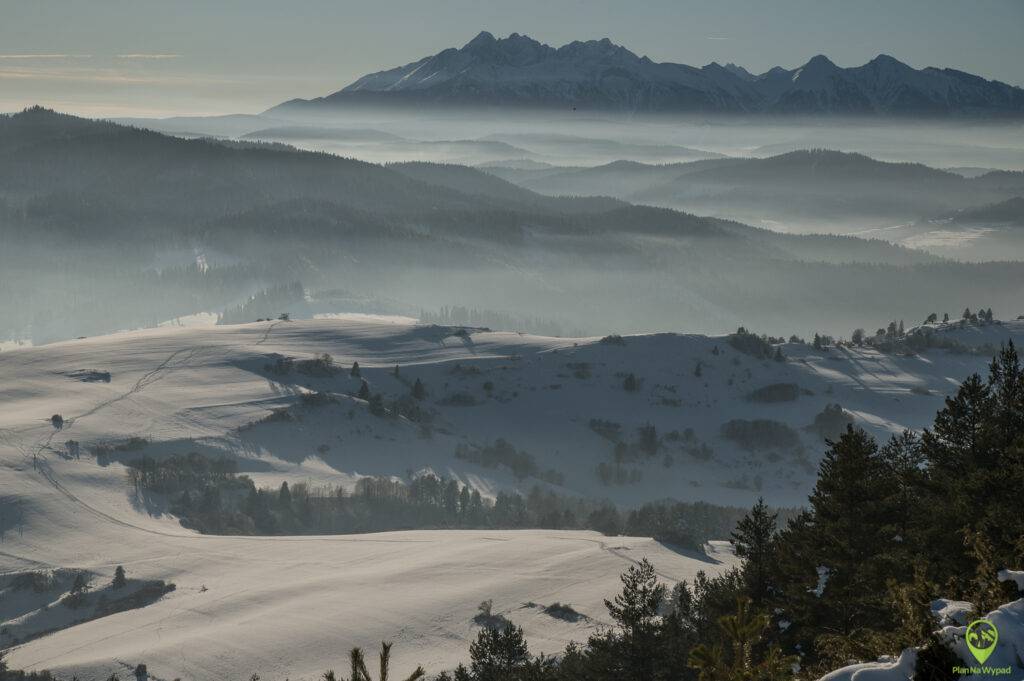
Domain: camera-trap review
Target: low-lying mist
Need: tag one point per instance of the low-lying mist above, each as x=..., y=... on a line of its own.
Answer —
x=106, y=227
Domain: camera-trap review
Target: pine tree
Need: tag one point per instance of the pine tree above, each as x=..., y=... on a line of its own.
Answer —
x=754, y=539
x=364, y=390
x=985, y=591
x=635, y=612
x=497, y=654
x=355, y=370
x=119, y=578
x=736, y=656
x=836, y=558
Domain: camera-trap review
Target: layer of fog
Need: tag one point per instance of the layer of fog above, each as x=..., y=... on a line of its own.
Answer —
x=967, y=145
x=508, y=260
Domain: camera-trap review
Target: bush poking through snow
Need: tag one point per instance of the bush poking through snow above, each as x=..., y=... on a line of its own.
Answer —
x=760, y=434
x=613, y=339
x=564, y=611
x=776, y=392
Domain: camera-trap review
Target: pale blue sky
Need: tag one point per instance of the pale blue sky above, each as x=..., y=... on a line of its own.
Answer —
x=149, y=57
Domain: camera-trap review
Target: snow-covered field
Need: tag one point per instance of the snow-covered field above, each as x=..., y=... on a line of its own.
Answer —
x=291, y=606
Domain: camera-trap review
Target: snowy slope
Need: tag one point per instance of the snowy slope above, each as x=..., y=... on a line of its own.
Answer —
x=187, y=388
x=290, y=606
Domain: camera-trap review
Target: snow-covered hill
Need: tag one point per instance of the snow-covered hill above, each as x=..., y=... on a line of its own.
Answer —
x=290, y=606
x=567, y=402
x=598, y=74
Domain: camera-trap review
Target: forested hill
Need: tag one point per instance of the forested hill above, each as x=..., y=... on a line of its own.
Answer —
x=106, y=227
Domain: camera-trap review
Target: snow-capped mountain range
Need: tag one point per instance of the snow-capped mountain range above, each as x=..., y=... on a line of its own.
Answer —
x=600, y=75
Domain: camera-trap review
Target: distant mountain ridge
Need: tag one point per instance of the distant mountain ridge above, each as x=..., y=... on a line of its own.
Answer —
x=600, y=75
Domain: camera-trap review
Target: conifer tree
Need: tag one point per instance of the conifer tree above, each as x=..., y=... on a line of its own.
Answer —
x=837, y=557
x=635, y=612
x=754, y=539
x=498, y=653
x=735, y=656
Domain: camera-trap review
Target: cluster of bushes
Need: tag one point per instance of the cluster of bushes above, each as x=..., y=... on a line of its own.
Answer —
x=760, y=347
x=323, y=365
x=502, y=453
x=760, y=434
x=776, y=392
x=830, y=422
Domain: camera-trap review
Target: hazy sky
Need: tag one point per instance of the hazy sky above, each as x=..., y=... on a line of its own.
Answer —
x=165, y=57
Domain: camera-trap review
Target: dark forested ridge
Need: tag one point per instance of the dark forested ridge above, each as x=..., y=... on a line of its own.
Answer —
x=106, y=227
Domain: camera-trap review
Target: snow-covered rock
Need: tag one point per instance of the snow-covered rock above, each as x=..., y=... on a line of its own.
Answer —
x=1006, y=661
x=947, y=612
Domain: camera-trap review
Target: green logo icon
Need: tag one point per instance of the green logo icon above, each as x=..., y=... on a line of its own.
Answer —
x=981, y=639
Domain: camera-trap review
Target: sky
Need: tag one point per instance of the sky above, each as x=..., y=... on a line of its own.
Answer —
x=198, y=57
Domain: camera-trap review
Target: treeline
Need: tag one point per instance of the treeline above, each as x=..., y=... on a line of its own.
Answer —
x=210, y=497
x=895, y=338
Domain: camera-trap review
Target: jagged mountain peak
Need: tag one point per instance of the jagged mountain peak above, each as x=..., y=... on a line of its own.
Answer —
x=482, y=38
x=820, y=61
x=599, y=74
